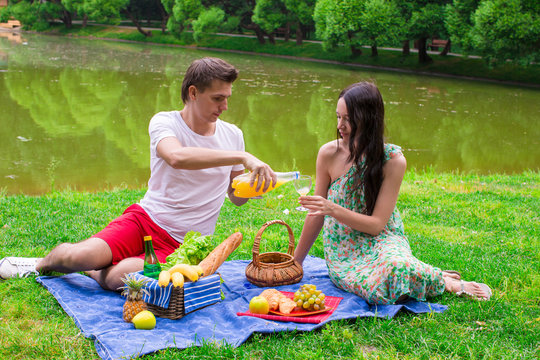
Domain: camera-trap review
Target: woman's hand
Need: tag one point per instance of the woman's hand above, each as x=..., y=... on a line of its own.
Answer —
x=317, y=205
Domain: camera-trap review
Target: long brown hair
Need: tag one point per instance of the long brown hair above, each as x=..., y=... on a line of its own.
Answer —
x=365, y=108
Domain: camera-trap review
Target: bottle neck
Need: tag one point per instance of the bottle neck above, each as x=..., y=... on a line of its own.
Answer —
x=291, y=175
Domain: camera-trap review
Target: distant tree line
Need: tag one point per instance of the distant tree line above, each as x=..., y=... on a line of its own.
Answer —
x=498, y=30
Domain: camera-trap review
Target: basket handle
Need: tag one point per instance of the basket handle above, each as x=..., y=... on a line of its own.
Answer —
x=257, y=240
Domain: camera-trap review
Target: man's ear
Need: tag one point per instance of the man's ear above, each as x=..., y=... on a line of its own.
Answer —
x=192, y=92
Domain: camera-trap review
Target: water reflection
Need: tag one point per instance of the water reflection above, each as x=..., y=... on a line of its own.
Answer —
x=75, y=113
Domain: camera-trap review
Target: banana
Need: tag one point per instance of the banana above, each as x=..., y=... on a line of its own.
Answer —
x=164, y=278
x=199, y=270
x=186, y=270
x=177, y=279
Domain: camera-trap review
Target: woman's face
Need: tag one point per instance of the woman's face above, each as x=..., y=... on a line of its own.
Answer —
x=343, y=125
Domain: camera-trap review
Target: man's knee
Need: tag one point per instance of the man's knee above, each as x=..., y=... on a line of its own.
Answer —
x=90, y=254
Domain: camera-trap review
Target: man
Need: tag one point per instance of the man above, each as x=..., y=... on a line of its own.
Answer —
x=193, y=158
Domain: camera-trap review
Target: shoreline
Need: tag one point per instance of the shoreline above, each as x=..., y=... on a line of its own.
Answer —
x=293, y=57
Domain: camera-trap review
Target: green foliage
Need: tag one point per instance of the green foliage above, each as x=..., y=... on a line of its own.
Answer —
x=301, y=10
x=269, y=14
x=504, y=29
x=459, y=22
x=5, y=14
x=184, y=12
x=208, y=22
x=427, y=21
x=231, y=25
x=380, y=21
x=338, y=22
x=35, y=15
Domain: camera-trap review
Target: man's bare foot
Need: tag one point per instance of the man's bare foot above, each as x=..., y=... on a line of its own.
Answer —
x=477, y=291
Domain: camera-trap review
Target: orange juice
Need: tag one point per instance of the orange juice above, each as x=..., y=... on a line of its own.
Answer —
x=244, y=190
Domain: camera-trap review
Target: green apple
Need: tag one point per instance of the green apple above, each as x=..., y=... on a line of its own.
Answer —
x=144, y=320
x=259, y=305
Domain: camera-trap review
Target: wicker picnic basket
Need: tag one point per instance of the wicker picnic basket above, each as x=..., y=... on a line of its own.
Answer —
x=176, y=306
x=274, y=268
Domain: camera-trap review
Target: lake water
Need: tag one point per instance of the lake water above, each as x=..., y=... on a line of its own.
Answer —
x=75, y=113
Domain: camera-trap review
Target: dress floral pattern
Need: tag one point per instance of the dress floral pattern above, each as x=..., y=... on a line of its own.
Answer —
x=379, y=268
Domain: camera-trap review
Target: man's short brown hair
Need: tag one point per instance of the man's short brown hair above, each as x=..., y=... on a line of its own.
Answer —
x=203, y=71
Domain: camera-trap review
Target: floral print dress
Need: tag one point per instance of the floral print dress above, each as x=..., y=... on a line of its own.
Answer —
x=378, y=268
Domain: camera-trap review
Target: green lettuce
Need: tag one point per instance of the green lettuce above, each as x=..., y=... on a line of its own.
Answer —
x=195, y=248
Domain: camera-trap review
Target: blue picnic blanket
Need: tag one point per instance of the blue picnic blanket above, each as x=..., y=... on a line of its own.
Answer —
x=98, y=312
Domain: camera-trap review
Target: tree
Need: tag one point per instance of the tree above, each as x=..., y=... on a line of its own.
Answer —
x=208, y=21
x=459, y=22
x=380, y=21
x=184, y=12
x=507, y=29
x=35, y=15
x=337, y=22
x=135, y=11
x=270, y=15
x=426, y=21
x=301, y=13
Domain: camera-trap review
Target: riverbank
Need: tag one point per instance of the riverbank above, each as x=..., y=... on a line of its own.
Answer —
x=468, y=68
x=484, y=226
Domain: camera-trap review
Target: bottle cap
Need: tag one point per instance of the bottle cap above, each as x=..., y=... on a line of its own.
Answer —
x=147, y=238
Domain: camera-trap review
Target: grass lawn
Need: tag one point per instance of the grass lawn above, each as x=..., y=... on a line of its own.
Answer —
x=446, y=65
x=487, y=227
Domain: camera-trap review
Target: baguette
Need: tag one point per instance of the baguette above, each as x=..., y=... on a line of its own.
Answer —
x=218, y=256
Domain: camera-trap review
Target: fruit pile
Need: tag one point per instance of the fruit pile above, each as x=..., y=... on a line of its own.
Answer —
x=309, y=298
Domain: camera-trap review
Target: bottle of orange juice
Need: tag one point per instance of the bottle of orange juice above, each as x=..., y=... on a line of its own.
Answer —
x=244, y=190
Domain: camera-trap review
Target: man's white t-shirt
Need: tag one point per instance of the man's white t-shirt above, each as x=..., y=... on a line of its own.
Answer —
x=182, y=200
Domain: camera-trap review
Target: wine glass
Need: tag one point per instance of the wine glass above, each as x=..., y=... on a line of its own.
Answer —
x=302, y=186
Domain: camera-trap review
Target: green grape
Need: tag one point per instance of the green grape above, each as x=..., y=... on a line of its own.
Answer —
x=307, y=297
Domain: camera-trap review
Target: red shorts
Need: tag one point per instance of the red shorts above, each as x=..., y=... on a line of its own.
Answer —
x=125, y=236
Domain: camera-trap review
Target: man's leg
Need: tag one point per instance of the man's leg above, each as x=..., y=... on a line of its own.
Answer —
x=110, y=278
x=90, y=254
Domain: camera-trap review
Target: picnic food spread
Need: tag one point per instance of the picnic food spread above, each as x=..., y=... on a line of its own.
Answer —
x=194, y=262
x=188, y=267
x=306, y=298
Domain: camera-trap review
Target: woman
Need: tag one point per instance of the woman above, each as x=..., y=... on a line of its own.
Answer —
x=356, y=190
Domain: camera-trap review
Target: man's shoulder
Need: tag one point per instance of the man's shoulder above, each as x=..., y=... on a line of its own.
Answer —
x=165, y=116
x=229, y=128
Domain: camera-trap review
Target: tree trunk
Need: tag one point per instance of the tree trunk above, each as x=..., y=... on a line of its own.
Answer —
x=406, y=47
x=446, y=49
x=164, y=16
x=356, y=51
x=85, y=20
x=423, y=56
x=287, y=35
x=137, y=24
x=299, y=35
x=66, y=19
x=271, y=38
x=258, y=32
x=374, y=51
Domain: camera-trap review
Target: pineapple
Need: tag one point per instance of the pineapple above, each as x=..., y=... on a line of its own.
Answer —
x=134, y=291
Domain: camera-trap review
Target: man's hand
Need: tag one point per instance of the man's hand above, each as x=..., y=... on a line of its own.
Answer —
x=260, y=172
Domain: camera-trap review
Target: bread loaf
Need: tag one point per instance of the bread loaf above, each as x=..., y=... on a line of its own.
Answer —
x=218, y=256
